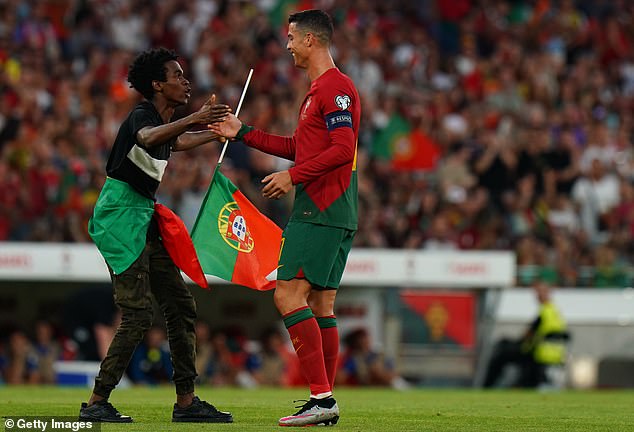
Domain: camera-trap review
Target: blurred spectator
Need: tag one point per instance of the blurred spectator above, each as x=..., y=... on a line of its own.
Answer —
x=597, y=193
x=440, y=235
x=562, y=215
x=274, y=359
x=562, y=162
x=359, y=365
x=609, y=273
x=227, y=364
x=47, y=349
x=150, y=363
x=600, y=147
x=494, y=163
x=454, y=175
x=91, y=318
x=20, y=360
x=203, y=350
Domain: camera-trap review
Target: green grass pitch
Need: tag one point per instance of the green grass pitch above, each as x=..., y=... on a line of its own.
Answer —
x=361, y=409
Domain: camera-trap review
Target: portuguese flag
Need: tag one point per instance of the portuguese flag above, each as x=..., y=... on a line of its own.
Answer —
x=233, y=240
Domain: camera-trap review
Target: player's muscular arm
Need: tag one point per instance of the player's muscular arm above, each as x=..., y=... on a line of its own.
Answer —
x=276, y=145
x=340, y=152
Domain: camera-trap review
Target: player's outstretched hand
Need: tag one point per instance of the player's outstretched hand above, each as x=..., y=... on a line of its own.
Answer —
x=277, y=185
x=229, y=127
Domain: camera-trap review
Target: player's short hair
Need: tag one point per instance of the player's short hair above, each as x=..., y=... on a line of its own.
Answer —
x=314, y=21
x=147, y=67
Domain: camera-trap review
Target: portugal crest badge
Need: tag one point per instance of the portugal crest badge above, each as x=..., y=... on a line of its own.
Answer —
x=233, y=228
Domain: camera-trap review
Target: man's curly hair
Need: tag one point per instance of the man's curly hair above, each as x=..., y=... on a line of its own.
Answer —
x=147, y=67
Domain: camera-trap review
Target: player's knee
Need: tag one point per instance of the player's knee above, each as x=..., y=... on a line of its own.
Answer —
x=291, y=295
x=286, y=301
x=322, y=302
x=281, y=300
x=315, y=304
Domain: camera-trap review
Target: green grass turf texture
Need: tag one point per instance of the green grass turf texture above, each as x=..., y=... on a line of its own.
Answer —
x=362, y=410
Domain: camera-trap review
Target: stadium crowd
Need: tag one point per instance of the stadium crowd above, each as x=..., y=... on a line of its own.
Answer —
x=487, y=124
x=225, y=358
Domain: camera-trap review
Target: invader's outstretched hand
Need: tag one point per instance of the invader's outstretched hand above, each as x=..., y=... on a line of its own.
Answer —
x=211, y=112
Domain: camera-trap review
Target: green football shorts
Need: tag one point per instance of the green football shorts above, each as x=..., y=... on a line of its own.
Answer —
x=315, y=252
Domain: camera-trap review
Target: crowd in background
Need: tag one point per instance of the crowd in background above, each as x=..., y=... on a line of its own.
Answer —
x=225, y=357
x=487, y=124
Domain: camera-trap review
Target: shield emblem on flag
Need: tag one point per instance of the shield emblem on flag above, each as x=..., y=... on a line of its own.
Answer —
x=233, y=228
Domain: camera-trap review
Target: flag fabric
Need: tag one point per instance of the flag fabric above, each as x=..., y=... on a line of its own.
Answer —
x=449, y=318
x=405, y=149
x=415, y=151
x=119, y=227
x=119, y=224
x=179, y=245
x=233, y=240
x=387, y=138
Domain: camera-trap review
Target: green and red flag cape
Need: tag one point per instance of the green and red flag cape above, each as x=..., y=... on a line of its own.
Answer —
x=119, y=227
x=233, y=240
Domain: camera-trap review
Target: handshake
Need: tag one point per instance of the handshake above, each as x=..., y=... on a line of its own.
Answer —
x=225, y=124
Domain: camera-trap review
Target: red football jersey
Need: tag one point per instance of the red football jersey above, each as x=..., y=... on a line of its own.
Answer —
x=324, y=149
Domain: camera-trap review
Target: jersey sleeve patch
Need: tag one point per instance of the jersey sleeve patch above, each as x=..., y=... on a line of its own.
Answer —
x=342, y=101
x=338, y=119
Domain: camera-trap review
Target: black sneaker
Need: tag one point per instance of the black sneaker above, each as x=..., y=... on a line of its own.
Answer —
x=102, y=411
x=200, y=412
x=314, y=412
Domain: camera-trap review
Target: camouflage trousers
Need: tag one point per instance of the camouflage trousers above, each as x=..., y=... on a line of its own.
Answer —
x=153, y=273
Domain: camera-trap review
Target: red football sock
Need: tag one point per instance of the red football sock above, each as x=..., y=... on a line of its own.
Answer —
x=306, y=337
x=330, y=346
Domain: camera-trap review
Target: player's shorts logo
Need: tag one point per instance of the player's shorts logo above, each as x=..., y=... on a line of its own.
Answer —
x=342, y=101
x=233, y=228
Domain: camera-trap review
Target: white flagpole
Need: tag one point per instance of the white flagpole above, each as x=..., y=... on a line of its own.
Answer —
x=244, y=92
